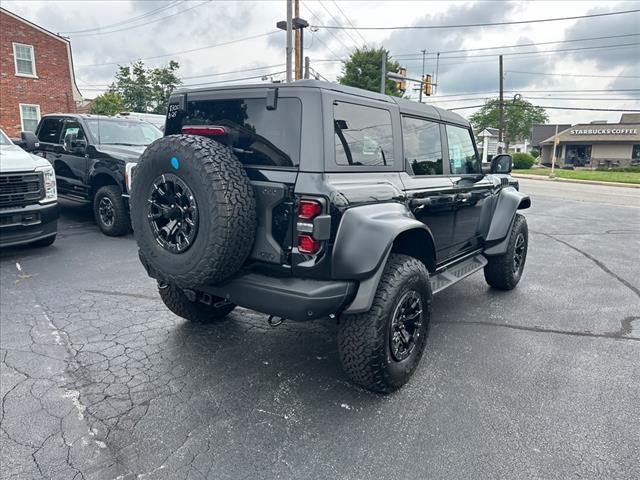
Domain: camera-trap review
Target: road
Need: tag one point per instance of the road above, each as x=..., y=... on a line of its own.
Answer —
x=100, y=381
x=582, y=192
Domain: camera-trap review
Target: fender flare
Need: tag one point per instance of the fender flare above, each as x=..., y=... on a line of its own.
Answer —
x=364, y=241
x=366, y=234
x=509, y=202
x=117, y=177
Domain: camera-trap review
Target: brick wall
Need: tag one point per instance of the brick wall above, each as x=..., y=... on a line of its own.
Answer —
x=52, y=90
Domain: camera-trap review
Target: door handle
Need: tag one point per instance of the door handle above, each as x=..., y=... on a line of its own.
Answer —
x=420, y=203
x=464, y=197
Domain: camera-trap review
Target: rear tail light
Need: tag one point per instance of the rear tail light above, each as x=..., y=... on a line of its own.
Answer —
x=308, y=244
x=309, y=209
x=205, y=130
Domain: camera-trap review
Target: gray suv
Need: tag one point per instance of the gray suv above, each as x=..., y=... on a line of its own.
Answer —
x=314, y=200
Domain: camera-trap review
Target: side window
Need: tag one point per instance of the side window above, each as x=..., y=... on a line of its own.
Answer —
x=72, y=127
x=462, y=154
x=50, y=130
x=422, y=146
x=363, y=135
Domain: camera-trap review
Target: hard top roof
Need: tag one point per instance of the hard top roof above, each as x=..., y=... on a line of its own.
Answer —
x=410, y=107
x=90, y=116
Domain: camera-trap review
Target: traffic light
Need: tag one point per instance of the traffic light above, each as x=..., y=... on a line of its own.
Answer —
x=401, y=85
x=427, y=85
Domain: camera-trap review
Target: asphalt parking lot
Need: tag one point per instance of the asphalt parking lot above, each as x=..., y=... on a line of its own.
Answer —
x=100, y=381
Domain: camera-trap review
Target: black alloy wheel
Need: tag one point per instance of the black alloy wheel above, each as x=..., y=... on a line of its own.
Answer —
x=172, y=213
x=519, y=253
x=405, y=325
x=106, y=211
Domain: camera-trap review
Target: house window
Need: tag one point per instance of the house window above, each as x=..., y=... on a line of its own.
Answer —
x=29, y=117
x=24, y=60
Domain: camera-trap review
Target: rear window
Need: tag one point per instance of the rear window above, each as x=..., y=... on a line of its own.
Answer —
x=259, y=136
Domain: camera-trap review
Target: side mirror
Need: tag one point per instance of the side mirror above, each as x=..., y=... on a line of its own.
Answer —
x=502, y=163
x=29, y=141
x=74, y=145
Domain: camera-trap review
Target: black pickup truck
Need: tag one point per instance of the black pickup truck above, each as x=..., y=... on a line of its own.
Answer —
x=92, y=156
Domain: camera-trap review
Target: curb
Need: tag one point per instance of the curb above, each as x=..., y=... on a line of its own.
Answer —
x=573, y=180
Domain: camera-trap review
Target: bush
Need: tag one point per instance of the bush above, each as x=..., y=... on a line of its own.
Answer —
x=620, y=169
x=535, y=153
x=523, y=160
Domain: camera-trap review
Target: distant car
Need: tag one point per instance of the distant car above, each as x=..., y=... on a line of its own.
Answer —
x=93, y=156
x=152, y=118
x=28, y=197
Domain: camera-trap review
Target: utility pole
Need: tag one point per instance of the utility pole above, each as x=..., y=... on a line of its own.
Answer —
x=290, y=38
x=298, y=43
x=306, y=67
x=501, y=129
x=424, y=54
x=383, y=76
x=553, y=155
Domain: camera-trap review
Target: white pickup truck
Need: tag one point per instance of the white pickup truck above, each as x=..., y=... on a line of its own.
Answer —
x=28, y=197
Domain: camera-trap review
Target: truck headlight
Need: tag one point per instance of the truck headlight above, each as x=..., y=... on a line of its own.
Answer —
x=128, y=174
x=50, y=187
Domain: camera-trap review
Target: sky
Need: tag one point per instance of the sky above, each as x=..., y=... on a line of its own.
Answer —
x=227, y=36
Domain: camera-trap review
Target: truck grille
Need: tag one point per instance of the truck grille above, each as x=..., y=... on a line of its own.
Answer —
x=20, y=189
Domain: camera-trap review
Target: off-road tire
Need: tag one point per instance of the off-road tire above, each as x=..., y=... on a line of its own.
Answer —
x=198, y=312
x=121, y=223
x=224, y=199
x=44, y=242
x=364, y=338
x=499, y=272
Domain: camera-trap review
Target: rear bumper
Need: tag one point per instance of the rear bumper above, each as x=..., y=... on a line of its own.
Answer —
x=27, y=224
x=292, y=298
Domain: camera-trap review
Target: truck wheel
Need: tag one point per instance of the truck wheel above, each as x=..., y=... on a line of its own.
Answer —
x=196, y=311
x=504, y=271
x=44, y=242
x=110, y=211
x=193, y=210
x=380, y=349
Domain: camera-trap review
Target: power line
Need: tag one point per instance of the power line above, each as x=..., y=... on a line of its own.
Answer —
x=493, y=55
x=364, y=41
x=465, y=25
x=143, y=24
x=355, y=42
x=180, y=52
x=467, y=99
x=124, y=22
x=190, y=77
x=586, y=39
x=572, y=75
x=560, y=108
x=313, y=14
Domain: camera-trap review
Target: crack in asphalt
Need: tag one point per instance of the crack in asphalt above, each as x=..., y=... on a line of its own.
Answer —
x=600, y=265
x=122, y=294
x=622, y=334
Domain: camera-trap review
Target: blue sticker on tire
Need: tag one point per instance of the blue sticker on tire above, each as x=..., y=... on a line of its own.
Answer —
x=175, y=163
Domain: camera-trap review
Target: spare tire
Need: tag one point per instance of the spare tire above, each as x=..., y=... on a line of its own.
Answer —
x=193, y=211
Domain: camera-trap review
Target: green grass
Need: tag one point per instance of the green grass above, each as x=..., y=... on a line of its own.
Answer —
x=595, y=175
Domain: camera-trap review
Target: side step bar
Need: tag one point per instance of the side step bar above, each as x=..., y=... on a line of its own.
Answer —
x=457, y=272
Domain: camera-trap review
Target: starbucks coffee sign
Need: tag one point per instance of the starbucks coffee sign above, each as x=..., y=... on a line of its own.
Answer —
x=605, y=131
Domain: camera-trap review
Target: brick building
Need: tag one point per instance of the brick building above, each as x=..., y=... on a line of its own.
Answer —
x=36, y=74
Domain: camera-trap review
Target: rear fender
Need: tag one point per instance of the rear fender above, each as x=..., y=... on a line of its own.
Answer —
x=365, y=236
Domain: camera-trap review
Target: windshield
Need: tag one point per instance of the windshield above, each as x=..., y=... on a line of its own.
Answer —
x=4, y=140
x=112, y=132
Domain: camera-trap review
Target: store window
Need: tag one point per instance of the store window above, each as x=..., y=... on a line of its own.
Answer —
x=578, y=155
x=635, y=153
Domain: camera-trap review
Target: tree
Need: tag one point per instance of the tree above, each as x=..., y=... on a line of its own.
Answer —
x=362, y=70
x=146, y=89
x=109, y=103
x=519, y=117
